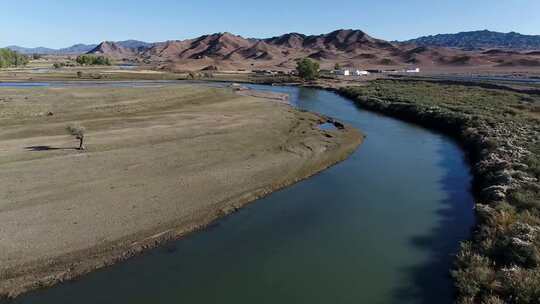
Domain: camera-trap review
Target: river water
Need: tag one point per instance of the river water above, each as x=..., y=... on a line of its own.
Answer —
x=380, y=227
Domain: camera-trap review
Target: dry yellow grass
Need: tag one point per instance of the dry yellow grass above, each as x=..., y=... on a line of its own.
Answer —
x=160, y=162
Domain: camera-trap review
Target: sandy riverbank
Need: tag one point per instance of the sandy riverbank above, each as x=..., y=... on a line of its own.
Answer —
x=161, y=162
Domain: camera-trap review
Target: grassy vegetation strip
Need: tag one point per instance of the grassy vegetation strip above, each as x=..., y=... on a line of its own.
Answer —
x=501, y=131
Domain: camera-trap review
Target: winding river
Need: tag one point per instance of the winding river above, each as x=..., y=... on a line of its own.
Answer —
x=380, y=227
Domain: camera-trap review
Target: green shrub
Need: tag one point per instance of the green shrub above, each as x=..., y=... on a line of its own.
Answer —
x=526, y=197
x=474, y=274
x=88, y=59
x=493, y=300
x=533, y=161
x=308, y=69
x=9, y=58
x=522, y=286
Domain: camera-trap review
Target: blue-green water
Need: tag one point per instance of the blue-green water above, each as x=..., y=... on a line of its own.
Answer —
x=380, y=227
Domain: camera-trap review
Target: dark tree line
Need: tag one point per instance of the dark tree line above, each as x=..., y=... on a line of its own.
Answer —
x=93, y=60
x=9, y=58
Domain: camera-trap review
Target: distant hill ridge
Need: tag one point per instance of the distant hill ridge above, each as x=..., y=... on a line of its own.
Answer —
x=226, y=46
x=346, y=47
x=114, y=50
x=466, y=40
x=77, y=48
x=481, y=39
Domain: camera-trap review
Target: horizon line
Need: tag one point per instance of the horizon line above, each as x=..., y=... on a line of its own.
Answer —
x=342, y=29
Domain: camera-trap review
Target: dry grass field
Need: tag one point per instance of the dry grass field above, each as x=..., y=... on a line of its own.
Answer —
x=160, y=161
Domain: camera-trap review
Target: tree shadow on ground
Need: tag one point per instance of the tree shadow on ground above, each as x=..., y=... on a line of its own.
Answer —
x=46, y=148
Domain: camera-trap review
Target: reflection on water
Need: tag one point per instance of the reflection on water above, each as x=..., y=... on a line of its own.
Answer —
x=327, y=126
x=379, y=227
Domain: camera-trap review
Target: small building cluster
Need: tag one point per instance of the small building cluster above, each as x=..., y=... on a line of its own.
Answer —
x=416, y=70
x=358, y=72
x=270, y=72
x=351, y=72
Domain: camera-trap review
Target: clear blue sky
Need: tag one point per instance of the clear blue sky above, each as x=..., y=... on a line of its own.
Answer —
x=60, y=23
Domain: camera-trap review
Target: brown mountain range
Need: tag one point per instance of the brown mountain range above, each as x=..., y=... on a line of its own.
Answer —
x=113, y=50
x=346, y=47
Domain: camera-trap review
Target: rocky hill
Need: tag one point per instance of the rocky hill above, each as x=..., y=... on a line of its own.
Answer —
x=481, y=39
x=346, y=47
x=79, y=48
x=232, y=51
x=135, y=44
x=113, y=50
x=76, y=49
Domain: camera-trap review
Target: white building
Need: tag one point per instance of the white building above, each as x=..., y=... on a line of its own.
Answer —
x=351, y=72
x=417, y=70
x=343, y=72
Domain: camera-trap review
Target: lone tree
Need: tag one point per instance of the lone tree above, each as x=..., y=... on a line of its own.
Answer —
x=78, y=131
x=308, y=69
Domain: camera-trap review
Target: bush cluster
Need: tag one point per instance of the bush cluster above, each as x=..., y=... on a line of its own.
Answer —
x=9, y=58
x=88, y=59
x=307, y=69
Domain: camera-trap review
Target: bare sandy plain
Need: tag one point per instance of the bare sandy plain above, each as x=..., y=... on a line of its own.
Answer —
x=160, y=162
